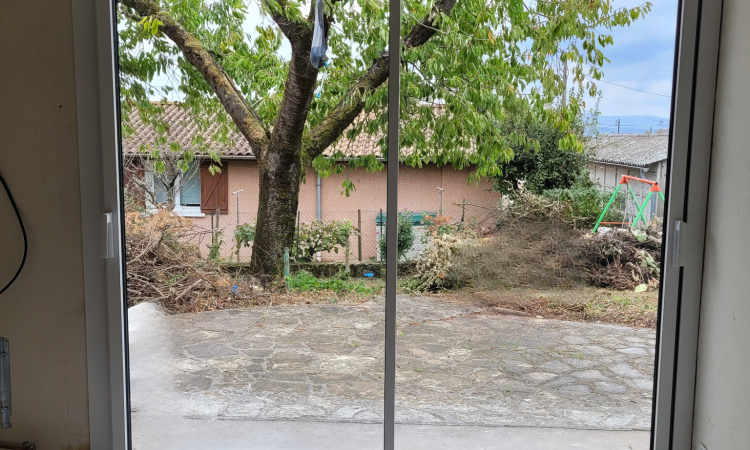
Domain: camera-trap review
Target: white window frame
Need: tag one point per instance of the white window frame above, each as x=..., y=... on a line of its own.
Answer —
x=101, y=192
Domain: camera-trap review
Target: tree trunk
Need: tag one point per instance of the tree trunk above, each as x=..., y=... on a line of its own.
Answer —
x=280, y=180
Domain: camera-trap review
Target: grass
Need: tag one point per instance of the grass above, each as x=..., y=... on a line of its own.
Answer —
x=304, y=281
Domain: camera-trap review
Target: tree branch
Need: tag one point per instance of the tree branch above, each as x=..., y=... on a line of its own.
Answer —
x=246, y=119
x=298, y=89
x=351, y=105
x=293, y=30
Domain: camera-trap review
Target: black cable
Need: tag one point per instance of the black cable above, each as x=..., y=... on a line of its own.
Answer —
x=23, y=231
x=628, y=87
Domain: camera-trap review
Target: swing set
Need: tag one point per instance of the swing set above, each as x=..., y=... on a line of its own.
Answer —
x=626, y=179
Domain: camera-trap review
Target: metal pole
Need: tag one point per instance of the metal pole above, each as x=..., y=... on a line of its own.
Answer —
x=441, y=201
x=642, y=208
x=318, y=186
x=391, y=266
x=380, y=225
x=359, y=235
x=606, y=208
x=296, y=250
x=286, y=266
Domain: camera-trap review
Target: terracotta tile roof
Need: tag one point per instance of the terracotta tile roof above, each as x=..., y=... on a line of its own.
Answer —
x=183, y=128
x=637, y=150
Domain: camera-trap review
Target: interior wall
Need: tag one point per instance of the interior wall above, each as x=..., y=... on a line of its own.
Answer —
x=42, y=314
x=722, y=404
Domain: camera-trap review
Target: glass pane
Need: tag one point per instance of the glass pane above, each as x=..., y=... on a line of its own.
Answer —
x=160, y=190
x=190, y=187
x=518, y=321
x=256, y=307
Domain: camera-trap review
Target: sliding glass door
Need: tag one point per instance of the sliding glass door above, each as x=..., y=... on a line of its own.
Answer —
x=462, y=242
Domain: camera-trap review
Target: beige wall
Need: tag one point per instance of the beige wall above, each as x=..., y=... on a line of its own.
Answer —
x=42, y=314
x=417, y=192
x=722, y=397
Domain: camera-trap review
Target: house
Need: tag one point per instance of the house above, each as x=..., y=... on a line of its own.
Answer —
x=234, y=192
x=636, y=155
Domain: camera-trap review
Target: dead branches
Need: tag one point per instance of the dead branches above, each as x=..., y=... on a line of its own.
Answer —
x=162, y=264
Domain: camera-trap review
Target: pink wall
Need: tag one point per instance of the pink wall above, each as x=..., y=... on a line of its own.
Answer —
x=417, y=192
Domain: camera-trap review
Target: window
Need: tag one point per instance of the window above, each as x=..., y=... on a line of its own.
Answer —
x=186, y=187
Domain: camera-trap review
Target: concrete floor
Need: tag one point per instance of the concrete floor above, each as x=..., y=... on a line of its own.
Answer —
x=160, y=433
x=311, y=378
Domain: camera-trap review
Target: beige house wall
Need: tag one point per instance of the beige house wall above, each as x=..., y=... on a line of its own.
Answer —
x=418, y=191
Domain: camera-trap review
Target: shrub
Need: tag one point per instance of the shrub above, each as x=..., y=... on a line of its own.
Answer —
x=243, y=235
x=435, y=261
x=214, y=248
x=587, y=201
x=405, y=235
x=323, y=236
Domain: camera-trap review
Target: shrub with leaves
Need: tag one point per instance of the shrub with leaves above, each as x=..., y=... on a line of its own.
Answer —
x=405, y=235
x=587, y=201
x=323, y=236
x=551, y=163
x=244, y=234
x=435, y=261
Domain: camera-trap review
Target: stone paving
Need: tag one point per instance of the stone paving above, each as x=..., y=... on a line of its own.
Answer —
x=457, y=365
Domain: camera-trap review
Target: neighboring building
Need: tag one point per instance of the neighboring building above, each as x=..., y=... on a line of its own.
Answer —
x=637, y=155
x=322, y=198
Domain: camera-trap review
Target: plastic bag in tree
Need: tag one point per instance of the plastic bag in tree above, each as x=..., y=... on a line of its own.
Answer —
x=319, y=45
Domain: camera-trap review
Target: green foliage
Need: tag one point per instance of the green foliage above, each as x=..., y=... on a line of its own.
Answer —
x=214, y=248
x=587, y=202
x=305, y=281
x=490, y=61
x=323, y=236
x=406, y=236
x=244, y=234
x=548, y=165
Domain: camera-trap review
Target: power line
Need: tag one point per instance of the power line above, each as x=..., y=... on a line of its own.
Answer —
x=626, y=87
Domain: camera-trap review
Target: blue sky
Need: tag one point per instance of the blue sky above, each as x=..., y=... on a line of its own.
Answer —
x=642, y=58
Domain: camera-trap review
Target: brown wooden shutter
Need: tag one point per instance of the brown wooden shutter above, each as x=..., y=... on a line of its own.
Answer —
x=215, y=189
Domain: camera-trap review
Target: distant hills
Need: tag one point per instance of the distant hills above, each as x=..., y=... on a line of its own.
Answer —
x=632, y=124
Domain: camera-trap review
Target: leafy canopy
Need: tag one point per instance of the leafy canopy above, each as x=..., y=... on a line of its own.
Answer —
x=489, y=61
x=549, y=166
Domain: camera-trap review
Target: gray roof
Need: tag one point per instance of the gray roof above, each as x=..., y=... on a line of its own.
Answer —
x=637, y=150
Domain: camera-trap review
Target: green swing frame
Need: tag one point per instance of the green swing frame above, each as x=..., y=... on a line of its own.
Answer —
x=626, y=179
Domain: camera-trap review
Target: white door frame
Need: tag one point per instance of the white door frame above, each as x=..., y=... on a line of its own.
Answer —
x=687, y=194
x=100, y=165
x=691, y=132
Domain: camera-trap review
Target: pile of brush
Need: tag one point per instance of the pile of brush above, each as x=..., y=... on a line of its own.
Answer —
x=162, y=264
x=624, y=259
